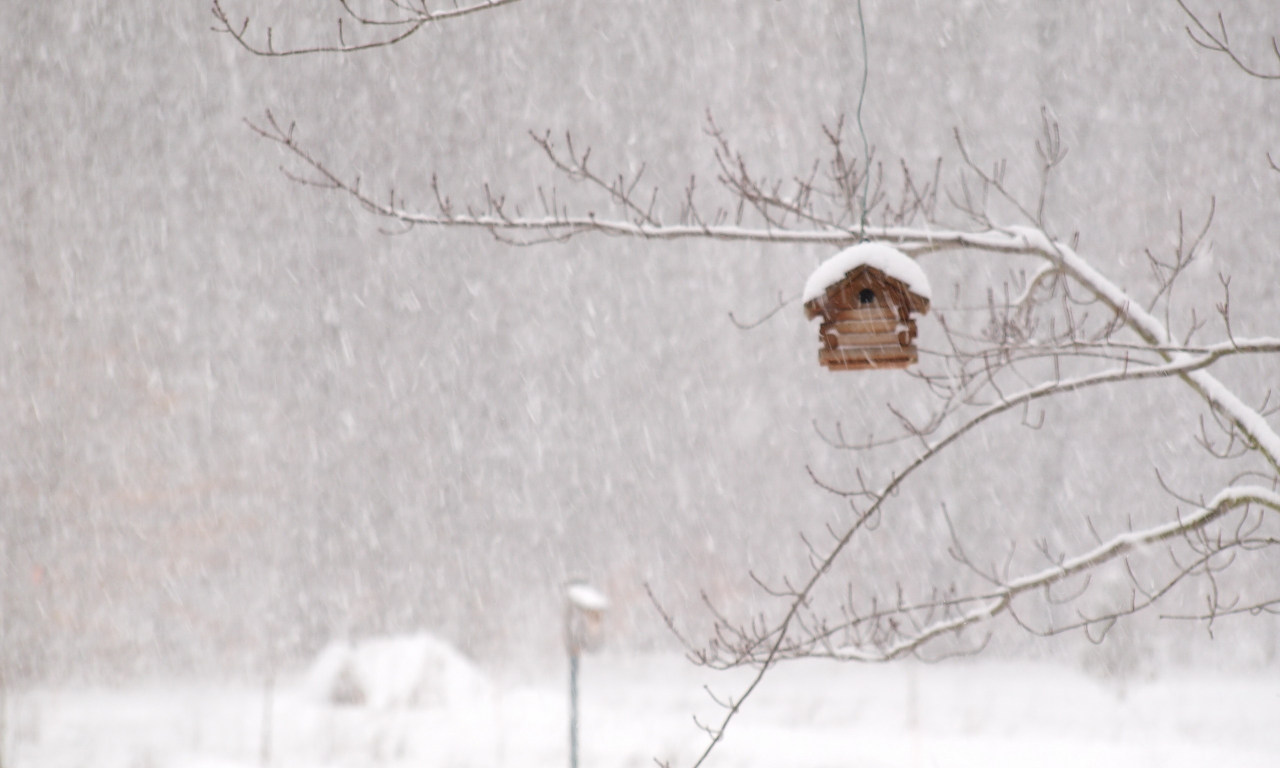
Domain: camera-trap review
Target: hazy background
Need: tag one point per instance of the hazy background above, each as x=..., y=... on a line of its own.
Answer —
x=241, y=422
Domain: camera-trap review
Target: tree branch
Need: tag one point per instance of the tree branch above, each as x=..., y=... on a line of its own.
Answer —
x=999, y=600
x=416, y=17
x=1219, y=42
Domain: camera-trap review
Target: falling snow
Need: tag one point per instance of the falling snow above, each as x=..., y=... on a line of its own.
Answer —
x=259, y=445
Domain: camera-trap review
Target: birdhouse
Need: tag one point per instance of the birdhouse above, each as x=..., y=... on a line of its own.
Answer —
x=584, y=617
x=868, y=297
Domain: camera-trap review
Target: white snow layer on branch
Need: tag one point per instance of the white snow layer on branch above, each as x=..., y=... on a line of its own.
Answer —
x=1249, y=421
x=885, y=258
x=912, y=240
x=998, y=600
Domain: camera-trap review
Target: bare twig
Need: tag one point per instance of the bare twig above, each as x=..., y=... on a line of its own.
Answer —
x=1218, y=41
x=413, y=18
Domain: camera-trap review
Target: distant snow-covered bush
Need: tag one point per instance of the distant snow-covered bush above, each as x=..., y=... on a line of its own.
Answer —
x=397, y=672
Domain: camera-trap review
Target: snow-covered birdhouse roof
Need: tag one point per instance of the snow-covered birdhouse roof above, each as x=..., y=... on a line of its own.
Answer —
x=587, y=597
x=876, y=262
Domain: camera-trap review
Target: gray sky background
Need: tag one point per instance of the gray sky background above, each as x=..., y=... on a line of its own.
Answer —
x=241, y=421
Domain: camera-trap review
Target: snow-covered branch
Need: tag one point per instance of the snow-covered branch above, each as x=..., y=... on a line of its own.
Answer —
x=1246, y=419
x=998, y=600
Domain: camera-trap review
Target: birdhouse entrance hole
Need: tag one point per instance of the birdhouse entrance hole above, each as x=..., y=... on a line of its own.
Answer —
x=867, y=296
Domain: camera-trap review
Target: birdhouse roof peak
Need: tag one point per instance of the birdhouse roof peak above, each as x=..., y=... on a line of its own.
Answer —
x=885, y=258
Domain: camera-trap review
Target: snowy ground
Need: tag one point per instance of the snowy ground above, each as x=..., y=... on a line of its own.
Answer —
x=636, y=709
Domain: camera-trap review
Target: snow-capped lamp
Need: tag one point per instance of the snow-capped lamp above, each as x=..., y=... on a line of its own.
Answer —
x=867, y=296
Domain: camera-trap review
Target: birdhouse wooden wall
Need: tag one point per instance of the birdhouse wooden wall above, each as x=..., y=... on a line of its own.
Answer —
x=867, y=322
x=584, y=630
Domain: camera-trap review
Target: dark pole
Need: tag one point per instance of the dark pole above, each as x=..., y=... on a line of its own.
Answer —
x=573, y=709
x=268, y=704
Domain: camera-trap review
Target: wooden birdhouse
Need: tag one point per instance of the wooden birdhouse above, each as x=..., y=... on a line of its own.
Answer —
x=868, y=297
x=584, y=617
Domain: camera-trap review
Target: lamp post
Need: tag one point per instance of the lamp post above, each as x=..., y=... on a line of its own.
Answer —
x=583, y=618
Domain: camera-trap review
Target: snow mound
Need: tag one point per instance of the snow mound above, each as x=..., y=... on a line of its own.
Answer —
x=398, y=672
x=885, y=258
